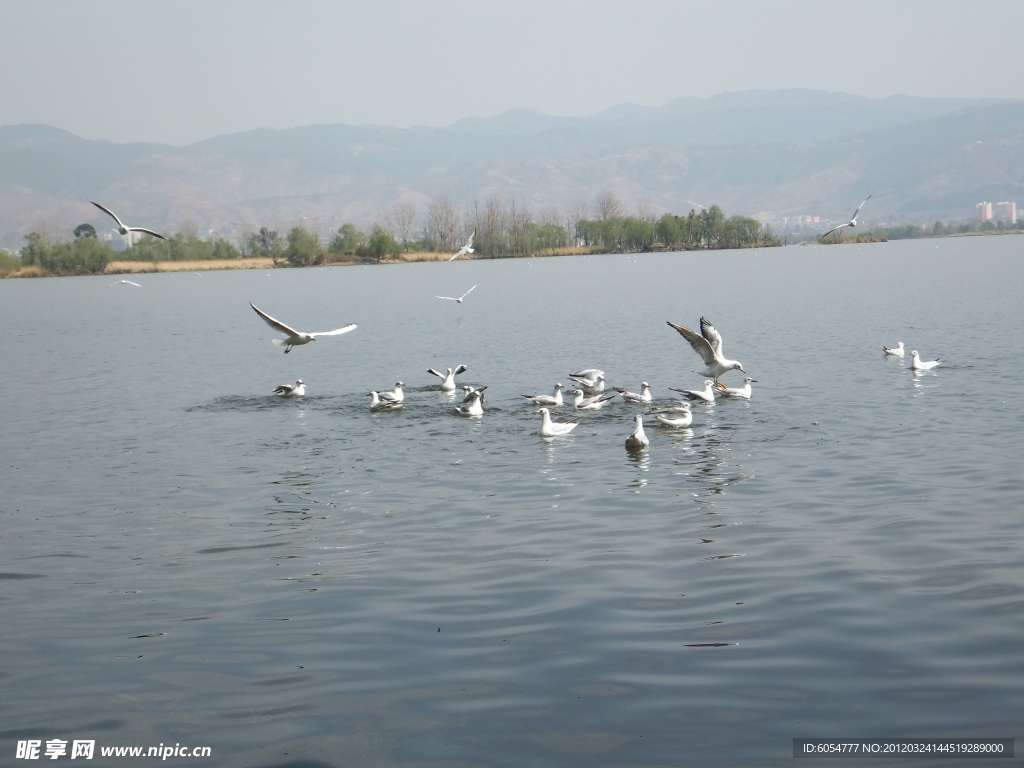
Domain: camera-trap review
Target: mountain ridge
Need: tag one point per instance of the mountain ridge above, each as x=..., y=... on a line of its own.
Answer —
x=773, y=154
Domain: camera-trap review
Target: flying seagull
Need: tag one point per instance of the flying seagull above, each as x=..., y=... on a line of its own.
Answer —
x=708, y=344
x=125, y=282
x=296, y=338
x=467, y=248
x=851, y=223
x=458, y=300
x=124, y=229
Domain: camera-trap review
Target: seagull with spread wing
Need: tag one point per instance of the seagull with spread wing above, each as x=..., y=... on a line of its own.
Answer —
x=296, y=338
x=851, y=223
x=456, y=300
x=708, y=344
x=124, y=229
x=467, y=248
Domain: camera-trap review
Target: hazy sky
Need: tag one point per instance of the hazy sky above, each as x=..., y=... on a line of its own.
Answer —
x=184, y=70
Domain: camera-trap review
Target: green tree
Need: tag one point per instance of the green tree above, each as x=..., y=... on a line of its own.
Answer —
x=348, y=240
x=85, y=230
x=303, y=248
x=382, y=244
x=266, y=244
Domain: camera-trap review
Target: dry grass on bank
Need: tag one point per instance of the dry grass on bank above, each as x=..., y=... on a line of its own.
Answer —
x=138, y=267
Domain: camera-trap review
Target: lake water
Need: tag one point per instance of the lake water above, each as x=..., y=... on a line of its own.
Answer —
x=186, y=559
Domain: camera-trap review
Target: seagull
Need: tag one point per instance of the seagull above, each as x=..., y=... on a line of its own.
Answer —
x=709, y=346
x=470, y=391
x=896, y=351
x=644, y=396
x=591, y=380
x=458, y=300
x=295, y=338
x=638, y=440
x=678, y=416
x=467, y=248
x=851, y=223
x=554, y=399
x=395, y=395
x=917, y=364
x=125, y=282
x=473, y=405
x=549, y=428
x=376, y=404
x=743, y=391
x=448, y=379
x=288, y=390
x=123, y=229
x=593, y=403
x=706, y=395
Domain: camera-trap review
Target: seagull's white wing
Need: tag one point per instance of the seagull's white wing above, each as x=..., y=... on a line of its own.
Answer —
x=439, y=375
x=699, y=343
x=461, y=251
x=469, y=243
x=277, y=324
x=446, y=298
x=336, y=331
x=109, y=213
x=147, y=231
x=834, y=229
x=709, y=332
x=467, y=292
x=461, y=369
x=854, y=217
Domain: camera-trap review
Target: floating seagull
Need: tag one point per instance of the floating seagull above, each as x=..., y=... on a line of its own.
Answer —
x=376, y=404
x=549, y=428
x=644, y=396
x=288, y=390
x=473, y=405
x=458, y=300
x=395, y=395
x=706, y=395
x=448, y=379
x=743, y=391
x=917, y=364
x=896, y=351
x=123, y=229
x=125, y=282
x=554, y=399
x=470, y=391
x=295, y=338
x=590, y=379
x=851, y=223
x=467, y=248
x=638, y=440
x=581, y=403
x=679, y=416
x=708, y=344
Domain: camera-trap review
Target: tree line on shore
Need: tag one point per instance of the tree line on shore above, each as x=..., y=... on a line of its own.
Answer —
x=502, y=229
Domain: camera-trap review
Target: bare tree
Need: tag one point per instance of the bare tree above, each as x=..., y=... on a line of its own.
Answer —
x=442, y=224
x=399, y=220
x=607, y=205
x=580, y=211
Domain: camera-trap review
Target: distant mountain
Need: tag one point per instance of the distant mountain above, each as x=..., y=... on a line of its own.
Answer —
x=774, y=154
